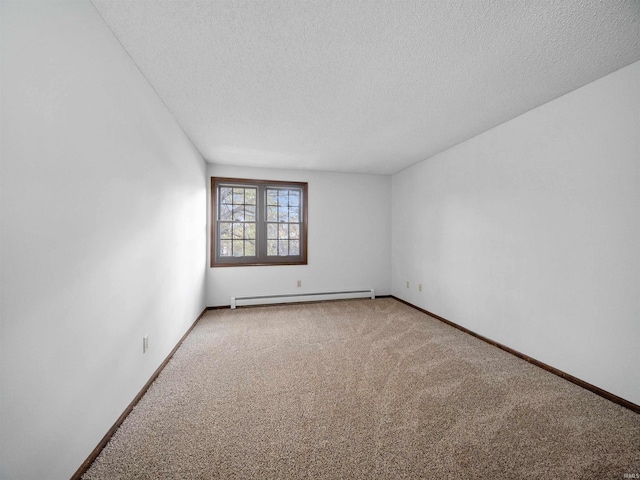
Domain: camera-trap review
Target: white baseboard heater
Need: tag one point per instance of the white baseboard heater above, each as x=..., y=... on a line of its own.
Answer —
x=301, y=297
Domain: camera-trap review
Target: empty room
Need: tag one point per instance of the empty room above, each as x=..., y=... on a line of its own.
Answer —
x=319, y=239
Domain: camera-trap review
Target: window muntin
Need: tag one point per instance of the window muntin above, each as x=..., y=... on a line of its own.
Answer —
x=258, y=222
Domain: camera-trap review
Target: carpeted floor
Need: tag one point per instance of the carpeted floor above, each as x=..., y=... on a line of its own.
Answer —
x=361, y=389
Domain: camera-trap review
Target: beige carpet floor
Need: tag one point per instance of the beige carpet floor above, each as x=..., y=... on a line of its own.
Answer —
x=361, y=389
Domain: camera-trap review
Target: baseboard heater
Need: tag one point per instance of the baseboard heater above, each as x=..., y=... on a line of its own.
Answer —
x=301, y=297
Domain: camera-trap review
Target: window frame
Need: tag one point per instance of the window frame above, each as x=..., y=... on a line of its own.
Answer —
x=261, y=258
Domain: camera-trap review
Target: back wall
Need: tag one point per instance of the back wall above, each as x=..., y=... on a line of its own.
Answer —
x=349, y=238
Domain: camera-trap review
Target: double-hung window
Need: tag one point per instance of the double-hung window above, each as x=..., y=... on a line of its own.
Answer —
x=258, y=222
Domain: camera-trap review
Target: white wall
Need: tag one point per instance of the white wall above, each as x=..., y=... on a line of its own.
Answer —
x=103, y=240
x=349, y=239
x=529, y=234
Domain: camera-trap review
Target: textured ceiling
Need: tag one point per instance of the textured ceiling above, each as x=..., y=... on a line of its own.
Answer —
x=363, y=86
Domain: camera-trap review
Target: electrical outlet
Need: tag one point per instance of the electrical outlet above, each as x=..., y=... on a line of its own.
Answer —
x=407, y=283
x=420, y=287
x=145, y=343
x=299, y=283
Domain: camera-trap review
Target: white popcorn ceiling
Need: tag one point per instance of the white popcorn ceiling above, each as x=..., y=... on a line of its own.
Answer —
x=363, y=86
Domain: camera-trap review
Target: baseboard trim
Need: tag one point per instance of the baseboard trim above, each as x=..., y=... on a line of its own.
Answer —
x=227, y=307
x=581, y=383
x=96, y=451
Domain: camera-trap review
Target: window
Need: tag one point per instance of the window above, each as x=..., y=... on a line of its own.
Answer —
x=258, y=222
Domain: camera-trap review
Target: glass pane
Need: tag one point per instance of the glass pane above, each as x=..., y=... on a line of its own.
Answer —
x=237, y=228
x=250, y=196
x=225, y=212
x=294, y=247
x=272, y=214
x=272, y=247
x=272, y=197
x=250, y=213
x=283, y=248
x=238, y=196
x=283, y=214
x=225, y=248
x=238, y=231
x=250, y=248
x=238, y=248
x=238, y=213
x=225, y=195
x=225, y=230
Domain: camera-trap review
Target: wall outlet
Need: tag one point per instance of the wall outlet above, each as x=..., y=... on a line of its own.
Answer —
x=299, y=283
x=145, y=343
x=407, y=283
x=420, y=287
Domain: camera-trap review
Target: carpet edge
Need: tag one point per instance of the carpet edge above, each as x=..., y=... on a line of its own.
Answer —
x=575, y=380
x=96, y=451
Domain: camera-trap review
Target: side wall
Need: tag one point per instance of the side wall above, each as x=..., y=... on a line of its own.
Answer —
x=529, y=234
x=103, y=235
x=349, y=240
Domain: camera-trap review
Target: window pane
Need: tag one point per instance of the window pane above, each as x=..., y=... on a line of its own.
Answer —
x=272, y=197
x=294, y=231
x=225, y=248
x=283, y=214
x=225, y=212
x=250, y=213
x=272, y=230
x=225, y=230
x=294, y=214
x=249, y=231
x=294, y=247
x=272, y=214
x=250, y=248
x=238, y=248
x=250, y=196
x=238, y=213
x=283, y=248
x=238, y=196
x=283, y=231
x=226, y=195
x=238, y=230
x=283, y=198
x=294, y=198
x=272, y=247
